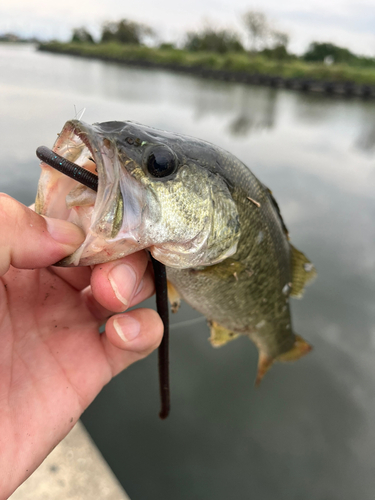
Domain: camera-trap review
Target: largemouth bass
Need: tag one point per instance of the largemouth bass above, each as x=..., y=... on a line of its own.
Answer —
x=198, y=210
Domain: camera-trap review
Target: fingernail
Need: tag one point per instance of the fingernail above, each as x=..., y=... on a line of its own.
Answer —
x=123, y=280
x=65, y=232
x=126, y=327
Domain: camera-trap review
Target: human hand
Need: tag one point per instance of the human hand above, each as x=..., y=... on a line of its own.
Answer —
x=53, y=361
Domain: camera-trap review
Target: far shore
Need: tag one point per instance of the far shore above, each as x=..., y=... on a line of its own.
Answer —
x=335, y=79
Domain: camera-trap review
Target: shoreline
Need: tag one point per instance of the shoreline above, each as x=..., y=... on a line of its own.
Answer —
x=193, y=64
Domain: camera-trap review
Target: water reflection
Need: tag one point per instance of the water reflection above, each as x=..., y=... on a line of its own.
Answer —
x=276, y=436
x=258, y=111
x=366, y=138
x=315, y=109
x=366, y=141
x=308, y=432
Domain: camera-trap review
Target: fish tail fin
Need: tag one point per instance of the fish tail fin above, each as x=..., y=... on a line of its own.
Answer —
x=303, y=271
x=299, y=349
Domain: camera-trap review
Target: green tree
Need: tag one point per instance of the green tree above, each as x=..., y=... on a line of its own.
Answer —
x=81, y=35
x=320, y=51
x=280, y=39
x=125, y=31
x=257, y=25
x=278, y=47
x=212, y=40
x=278, y=53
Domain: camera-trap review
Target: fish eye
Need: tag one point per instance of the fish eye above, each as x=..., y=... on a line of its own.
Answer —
x=160, y=161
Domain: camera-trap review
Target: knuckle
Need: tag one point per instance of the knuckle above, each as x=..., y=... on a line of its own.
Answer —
x=6, y=200
x=13, y=214
x=9, y=208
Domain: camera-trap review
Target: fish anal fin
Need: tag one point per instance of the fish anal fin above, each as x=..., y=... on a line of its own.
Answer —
x=264, y=364
x=299, y=349
x=303, y=271
x=220, y=335
x=173, y=297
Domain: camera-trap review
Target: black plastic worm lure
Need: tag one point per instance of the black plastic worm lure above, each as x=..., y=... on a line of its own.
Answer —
x=90, y=180
x=68, y=168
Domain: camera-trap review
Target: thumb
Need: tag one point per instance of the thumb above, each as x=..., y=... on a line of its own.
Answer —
x=28, y=240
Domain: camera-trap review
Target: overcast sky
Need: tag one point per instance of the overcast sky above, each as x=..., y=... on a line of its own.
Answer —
x=344, y=22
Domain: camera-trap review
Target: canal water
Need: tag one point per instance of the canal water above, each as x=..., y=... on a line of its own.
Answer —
x=309, y=430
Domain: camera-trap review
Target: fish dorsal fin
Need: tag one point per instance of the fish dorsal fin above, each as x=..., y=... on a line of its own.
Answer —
x=303, y=271
x=220, y=335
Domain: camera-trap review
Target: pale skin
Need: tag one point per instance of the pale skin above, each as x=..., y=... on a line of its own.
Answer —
x=53, y=361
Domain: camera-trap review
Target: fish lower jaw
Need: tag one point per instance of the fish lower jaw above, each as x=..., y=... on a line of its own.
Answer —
x=97, y=250
x=81, y=216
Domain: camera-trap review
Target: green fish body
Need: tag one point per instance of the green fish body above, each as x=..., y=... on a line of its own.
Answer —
x=197, y=209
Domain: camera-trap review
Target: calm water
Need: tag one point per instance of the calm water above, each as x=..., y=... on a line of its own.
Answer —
x=309, y=431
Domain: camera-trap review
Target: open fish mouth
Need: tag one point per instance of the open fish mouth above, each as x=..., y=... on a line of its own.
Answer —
x=101, y=215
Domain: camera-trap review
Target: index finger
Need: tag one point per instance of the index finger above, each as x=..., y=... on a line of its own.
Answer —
x=28, y=240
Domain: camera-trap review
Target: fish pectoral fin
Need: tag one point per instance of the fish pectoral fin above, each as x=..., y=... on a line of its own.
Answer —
x=303, y=271
x=220, y=335
x=173, y=297
x=299, y=349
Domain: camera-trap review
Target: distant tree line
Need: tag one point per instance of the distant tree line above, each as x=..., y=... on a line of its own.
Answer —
x=211, y=40
x=262, y=39
x=12, y=38
x=123, y=31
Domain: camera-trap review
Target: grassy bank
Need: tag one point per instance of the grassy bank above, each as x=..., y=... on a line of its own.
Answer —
x=233, y=62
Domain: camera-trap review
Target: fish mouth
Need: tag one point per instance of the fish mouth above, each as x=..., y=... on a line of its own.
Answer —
x=110, y=233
